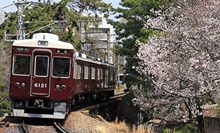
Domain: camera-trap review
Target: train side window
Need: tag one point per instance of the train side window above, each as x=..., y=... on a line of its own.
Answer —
x=75, y=71
x=111, y=75
x=93, y=73
x=106, y=78
x=101, y=77
x=98, y=71
x=111, y=80
x=21, y=65
x=101, y=73
x=61, y=67
x=86, y=72
x=78, y=71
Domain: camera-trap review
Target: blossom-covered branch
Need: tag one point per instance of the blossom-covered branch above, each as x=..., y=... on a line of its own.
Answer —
x=183, y=61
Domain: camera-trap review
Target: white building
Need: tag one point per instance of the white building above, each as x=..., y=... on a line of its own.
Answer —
x=103, y=37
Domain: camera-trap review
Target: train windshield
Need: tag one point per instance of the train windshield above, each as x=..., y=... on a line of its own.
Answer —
x=61, y=67
x=41, y=65
x=21, y=64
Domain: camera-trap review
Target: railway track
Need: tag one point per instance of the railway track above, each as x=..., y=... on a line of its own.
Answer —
x=24, y=127
x=60, y=128
x=52, y=126
x=93, y=105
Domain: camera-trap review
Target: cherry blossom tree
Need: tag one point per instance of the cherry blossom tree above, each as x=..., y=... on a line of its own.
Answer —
x=182, y=62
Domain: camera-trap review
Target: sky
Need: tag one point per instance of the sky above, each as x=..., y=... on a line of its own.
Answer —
x=13, y=8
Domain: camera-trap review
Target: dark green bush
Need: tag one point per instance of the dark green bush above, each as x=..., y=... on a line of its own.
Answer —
x=217, y=109
x=4, y=103
x=2, y=87
x=182, y=128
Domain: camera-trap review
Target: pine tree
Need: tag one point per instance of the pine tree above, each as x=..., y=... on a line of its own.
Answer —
x=129, y=29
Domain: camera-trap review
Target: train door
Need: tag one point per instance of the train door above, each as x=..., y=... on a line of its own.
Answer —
x=41, y=73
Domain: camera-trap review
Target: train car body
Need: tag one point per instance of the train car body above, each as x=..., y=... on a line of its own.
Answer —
x=48, y=77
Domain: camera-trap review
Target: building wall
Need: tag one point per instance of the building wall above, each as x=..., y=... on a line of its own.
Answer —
x=103, y=36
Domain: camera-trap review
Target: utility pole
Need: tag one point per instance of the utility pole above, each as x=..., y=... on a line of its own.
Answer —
x=20, y=20
x=20, y=33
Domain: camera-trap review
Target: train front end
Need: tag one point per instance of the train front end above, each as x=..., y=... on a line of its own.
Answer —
x=41, y=84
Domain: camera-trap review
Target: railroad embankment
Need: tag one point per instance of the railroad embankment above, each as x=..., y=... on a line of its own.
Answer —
x=82, y=123
x=124, y=117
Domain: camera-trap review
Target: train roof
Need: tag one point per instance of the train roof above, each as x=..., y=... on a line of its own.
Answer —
x=35, y=43
x=40, y=39
x=83, y=57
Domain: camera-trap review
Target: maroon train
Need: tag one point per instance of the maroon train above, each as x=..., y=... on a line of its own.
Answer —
x=48, y=77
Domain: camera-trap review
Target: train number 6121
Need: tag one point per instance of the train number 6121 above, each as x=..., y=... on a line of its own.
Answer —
x=40, y=85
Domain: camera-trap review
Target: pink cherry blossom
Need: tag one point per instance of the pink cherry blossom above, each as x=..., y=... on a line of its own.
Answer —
x=182, y=63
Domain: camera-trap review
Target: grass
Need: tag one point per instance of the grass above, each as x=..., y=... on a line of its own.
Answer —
x=125, y=128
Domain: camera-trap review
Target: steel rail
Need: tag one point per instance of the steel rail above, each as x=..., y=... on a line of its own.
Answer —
x=58, y=126
x=24, y=127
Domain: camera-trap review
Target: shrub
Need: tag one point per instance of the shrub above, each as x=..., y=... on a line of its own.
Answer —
x=182, y=128
x=217, y=109
x=4, y=103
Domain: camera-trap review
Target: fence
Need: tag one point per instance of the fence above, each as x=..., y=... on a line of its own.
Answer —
x=209, y=122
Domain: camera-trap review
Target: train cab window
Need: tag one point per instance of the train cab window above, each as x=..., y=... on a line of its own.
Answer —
x=41, y=63
x=61, y=67
x=21, y=64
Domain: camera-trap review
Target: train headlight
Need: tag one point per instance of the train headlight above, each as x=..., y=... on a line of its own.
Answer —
x=17, y=84
x=23, y=85
x=63, y=87
x=57, y=87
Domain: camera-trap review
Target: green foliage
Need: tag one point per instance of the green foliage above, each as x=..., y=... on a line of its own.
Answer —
x=4, y=103
x=128, y=97
x=158, y=129
x=182, y=128
x=147, y=33
x=217, y=109
x=9, y=23
x=2, y=87
x=129, y=29
x=63, y=10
